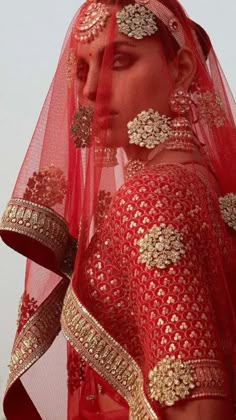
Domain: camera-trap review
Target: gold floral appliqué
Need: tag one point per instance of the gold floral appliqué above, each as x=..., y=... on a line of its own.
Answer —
x=46, y=187
x=228, y=209
x=161, y=246
x=171, y=380
x=71, y=65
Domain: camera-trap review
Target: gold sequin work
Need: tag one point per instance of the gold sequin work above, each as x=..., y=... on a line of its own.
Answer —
x=228, y=209
x=46, y=187
x=161, y=246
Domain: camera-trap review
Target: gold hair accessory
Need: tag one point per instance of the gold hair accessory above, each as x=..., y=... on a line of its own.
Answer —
x=149, y=129
x=81, y=129
x=92, y=21
x=136, y=21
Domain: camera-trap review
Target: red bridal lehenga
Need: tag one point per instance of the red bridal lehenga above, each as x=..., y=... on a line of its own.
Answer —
x=129, y=298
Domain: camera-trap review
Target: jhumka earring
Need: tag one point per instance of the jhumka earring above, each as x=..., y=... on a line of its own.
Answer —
x=81, y=127
x=182, y=137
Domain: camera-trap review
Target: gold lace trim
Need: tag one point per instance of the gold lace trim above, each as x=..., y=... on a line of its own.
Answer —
x=36, y=222
x=106, y=356
x=37, y=334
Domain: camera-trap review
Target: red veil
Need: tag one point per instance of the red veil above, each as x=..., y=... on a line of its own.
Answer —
x=129, y=298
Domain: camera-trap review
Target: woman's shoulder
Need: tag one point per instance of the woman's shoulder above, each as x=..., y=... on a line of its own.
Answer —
x=163, y=180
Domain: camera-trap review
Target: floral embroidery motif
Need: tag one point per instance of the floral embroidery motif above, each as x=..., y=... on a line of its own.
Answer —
x=210, y=109
x=92, y=21
x=46, y=187
x=71, y=65
x=149, y=129
x=136, y=21
x=81, y=127
x=161, y=246
x=171, y=380
x=27, y=307
x=228, y=209
x=76, y=373
x=103, y=202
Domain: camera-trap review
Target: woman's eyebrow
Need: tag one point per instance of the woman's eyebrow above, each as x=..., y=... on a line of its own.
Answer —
x=111, y=46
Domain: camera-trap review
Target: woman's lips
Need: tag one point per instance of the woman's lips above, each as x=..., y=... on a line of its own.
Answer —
x=106, y=121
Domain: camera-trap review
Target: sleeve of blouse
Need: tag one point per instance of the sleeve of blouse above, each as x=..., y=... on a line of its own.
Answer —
x=164, y=227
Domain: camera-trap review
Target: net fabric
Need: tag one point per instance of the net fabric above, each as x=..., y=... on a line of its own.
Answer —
x=80, y=215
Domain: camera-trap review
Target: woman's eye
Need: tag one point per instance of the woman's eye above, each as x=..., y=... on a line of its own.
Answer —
x=121, y=61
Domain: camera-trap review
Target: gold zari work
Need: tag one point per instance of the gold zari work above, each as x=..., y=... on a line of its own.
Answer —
x=92, y=21
x=170, y=380
x=38, y=334
x=161, y=246
x=46, y=187
x=149, y=129
x=136, y=21
x=81, y=127
x=106, y=356
x=228, y=209
x=36, y=222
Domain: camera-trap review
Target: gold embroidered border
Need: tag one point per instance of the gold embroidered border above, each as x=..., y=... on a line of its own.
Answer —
x=37, y=334
x=106, y=356
x=36, y=222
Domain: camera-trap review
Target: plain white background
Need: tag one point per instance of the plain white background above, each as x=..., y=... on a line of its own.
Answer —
x=31, y=34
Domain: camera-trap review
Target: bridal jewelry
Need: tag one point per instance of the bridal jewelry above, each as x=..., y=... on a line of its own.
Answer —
x=92, y=20
x=149, y=129
x=81, y=127
x=136, y=21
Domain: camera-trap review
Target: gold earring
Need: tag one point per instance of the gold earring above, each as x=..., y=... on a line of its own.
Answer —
x=81, y=127
x=182, y=138
x=149, y=129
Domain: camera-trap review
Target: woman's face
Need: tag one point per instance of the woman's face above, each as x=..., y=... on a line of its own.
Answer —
x=121, y=79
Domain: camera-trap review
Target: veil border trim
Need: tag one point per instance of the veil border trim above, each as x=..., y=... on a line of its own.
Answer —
x=105, y=356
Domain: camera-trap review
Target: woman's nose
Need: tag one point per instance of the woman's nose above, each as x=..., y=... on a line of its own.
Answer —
x=91, y=85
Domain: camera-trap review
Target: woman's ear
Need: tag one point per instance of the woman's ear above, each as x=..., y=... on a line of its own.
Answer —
x=185, y=68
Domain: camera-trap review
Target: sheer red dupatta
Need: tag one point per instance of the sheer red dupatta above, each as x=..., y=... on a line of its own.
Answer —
x=67, y=203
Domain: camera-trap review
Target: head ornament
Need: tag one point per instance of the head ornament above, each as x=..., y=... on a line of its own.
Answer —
x=92, y=21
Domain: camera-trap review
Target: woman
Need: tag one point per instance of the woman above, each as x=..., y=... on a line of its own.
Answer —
x=125, y=208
